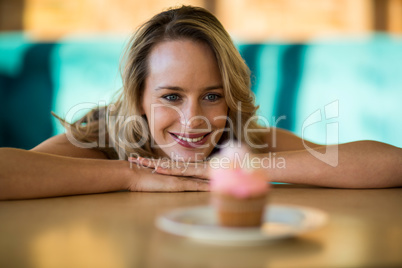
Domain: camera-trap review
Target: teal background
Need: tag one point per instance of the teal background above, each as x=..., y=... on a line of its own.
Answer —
x=347, y=88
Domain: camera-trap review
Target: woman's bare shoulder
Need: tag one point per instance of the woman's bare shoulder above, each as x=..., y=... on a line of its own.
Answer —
x=60, y=145
x=280, y=140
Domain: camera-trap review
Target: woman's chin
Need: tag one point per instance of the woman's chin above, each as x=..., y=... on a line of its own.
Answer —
x=188, y=156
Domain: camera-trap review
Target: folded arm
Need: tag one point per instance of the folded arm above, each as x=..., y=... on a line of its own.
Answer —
x=289, y=159
x=361, y=164
x=30, y=174
x=58, y=168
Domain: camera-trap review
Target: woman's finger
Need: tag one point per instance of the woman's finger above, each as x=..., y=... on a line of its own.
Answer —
x=170, y=171
x=149, y=182
x=199, y=171
x=193, y=184
x=142, y=161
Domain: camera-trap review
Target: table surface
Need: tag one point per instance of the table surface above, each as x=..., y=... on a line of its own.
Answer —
x=118, y=230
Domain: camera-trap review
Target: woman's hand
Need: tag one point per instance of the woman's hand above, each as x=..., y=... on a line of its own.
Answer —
x=174, y=168
x=147, y=180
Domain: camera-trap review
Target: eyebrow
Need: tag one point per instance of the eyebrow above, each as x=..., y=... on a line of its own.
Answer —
x=181, y=89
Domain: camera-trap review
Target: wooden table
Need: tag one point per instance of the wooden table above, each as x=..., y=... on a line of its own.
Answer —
x=118, y=230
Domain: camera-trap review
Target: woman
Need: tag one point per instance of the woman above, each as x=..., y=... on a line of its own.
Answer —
x=186, y=92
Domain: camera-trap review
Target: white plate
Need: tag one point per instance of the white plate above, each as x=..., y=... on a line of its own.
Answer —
x=280, y=221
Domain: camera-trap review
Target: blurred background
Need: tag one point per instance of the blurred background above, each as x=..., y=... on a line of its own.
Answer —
x=328, y=70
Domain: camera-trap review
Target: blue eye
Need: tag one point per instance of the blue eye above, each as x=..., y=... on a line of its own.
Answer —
x=212, y=97
x=171, y=97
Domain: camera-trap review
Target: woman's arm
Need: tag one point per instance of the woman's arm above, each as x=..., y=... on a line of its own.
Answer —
x=29, y=174
x=57, y=168
x=289, y=159
x=60, y=145
x=362, y=164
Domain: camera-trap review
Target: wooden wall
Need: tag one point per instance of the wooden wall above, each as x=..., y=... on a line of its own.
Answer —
x=247, y=20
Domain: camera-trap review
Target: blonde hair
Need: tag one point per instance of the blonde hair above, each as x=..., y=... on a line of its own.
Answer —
x=186, y=22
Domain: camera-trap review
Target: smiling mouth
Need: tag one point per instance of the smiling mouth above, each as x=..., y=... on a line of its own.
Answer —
x=190, y=138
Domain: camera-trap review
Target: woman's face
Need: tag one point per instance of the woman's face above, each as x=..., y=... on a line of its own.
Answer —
x=184, y=100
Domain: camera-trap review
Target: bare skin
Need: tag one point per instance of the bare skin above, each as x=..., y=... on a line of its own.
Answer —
x=188, y=81
x=58, y=168
x=357, y=166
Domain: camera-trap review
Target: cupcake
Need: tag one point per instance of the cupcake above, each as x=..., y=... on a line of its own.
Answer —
x=239, y=192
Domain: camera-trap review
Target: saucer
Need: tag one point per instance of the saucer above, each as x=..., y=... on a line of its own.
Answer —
x=280, y=221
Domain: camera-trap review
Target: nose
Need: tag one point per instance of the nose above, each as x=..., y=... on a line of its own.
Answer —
x=192, y=116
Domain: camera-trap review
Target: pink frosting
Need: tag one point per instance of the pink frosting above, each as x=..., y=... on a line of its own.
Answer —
x=238, y=182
